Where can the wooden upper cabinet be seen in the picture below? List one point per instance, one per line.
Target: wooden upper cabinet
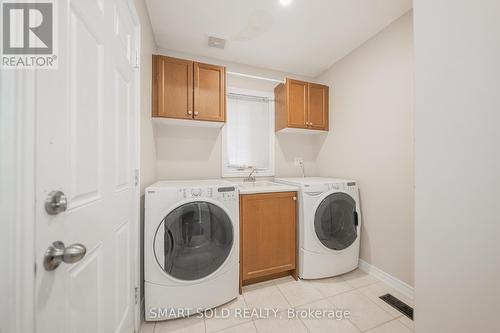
(184, 89)
(209, 92)
(318, 106)
(172, 87)
(302, 105)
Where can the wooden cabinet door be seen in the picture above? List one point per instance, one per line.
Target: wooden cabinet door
(209, 92)
(318, 106)
(268, 234)
(297, 103)
(173, 94)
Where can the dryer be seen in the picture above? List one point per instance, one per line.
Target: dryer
(329, 226)
(191, 247)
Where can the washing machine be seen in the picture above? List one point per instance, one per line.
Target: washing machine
(191, 247)
(329, 226)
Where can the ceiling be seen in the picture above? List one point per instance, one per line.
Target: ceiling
(305, 38)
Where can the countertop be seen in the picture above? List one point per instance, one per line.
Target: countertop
(265, 187)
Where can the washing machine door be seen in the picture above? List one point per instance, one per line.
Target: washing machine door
(193, 240)
(336, 221)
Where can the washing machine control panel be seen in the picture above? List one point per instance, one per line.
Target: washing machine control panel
(196, 192)
(224, 193)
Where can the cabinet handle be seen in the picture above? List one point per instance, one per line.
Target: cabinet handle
(190, 112)
(294, 198)
(196, 113)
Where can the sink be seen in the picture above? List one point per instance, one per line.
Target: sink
(264, 186)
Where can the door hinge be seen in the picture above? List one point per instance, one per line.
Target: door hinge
(136, 60)
(136, 177)
(136, 295)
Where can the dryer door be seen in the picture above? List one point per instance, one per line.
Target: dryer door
(193, 240)
(336, 221)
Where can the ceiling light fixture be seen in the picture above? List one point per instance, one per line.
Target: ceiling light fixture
(285, 2)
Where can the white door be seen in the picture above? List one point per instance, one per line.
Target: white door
(86, 148)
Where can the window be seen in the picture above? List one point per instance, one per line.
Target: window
(248, 135)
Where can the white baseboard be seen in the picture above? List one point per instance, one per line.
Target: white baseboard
(392, 281)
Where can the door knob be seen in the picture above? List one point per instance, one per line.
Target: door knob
(56, 202)
(58, 253)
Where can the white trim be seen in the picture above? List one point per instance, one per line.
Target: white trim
(137, 164)
(231, 172)
(392, 281)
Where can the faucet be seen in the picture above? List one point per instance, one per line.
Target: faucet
(250, 177)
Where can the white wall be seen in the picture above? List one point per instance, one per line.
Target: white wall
(457, 119)
(193, 153)
(371, 141)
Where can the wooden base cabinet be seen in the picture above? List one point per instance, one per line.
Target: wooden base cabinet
(268, 236)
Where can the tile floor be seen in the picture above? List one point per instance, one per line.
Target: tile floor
(356, 291)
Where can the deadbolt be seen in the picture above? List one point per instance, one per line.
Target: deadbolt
(56, 203)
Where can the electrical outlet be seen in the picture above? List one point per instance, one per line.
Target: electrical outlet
(298, 162)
